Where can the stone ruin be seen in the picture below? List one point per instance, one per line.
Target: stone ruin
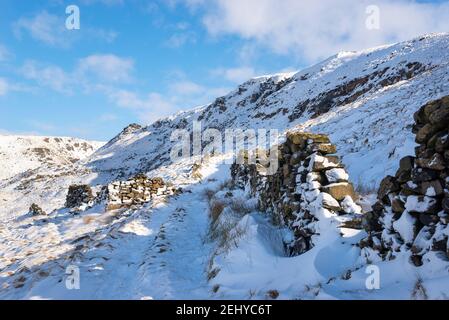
(79, 195)
(412, 211)
(136, 191)
(310, 184)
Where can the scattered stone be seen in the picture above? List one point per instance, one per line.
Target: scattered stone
(35, 210)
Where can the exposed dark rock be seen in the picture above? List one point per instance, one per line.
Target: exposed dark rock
(78, 195)
(35, 210)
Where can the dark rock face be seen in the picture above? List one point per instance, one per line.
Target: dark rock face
(310, 183)
(414, 204)
(35, 210)
(78, 195)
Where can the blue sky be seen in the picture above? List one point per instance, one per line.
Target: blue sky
(137, 60)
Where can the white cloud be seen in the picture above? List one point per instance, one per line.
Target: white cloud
(179, 39)
(187, 88)
(149, 108)
(51, 30)
(4, 53)
(48, 76)
(45, 27)
(235, 75)
(4, 87)
(108, 117)
(317, 29)
(106, 68)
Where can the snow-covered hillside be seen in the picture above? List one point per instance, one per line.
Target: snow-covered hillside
(21, 153)
(364, 101)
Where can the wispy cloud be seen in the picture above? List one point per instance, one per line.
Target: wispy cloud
(317, 29)
(49, 76)
(50, 29)
(5, 54)
(235, 75)
(4, 87)
(106, 68)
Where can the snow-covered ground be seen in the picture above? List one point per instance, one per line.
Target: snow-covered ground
(163, 251)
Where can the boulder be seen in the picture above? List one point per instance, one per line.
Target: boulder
(432, 188)
(320, 163)
(302, 137)
(421, 175)
(436, 162)
(440, 114)
(387, 186)
(422, 204)
(336, 175)
(425, 133)
(371, 222)
(324, 148)
(405, 167)
(428, 219)
(35, 210)
(397, 205)
(328, 202)
(340, 190)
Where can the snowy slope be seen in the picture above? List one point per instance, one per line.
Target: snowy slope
(21, 153)
(363, 100)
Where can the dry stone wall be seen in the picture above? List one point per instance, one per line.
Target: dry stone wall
(136, 191)
(310, 184)
(412, 212)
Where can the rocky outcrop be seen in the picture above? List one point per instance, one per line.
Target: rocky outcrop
(136, 191)
(412, 211)
(310, 184)
(35, 210)
(79, 195)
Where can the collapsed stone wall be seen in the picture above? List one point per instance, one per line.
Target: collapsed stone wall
(79, 195)
(412, 212)
(310, 184)
(136, 191)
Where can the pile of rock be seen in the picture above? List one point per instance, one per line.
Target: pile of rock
(79, 195)
(35, 210)
(310, 184)
(136, 191)
(413, 207)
